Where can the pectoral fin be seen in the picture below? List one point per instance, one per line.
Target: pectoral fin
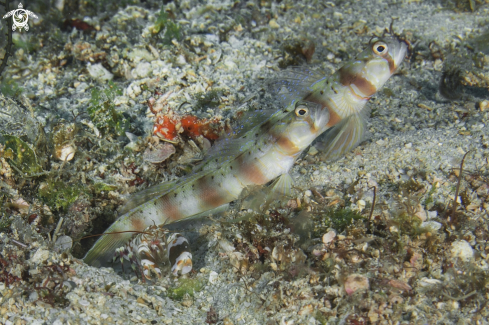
(343, 137)
(261, 199)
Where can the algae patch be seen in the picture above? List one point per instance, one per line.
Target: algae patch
(186, 287)
(59, 195)
(102, 111)
(20, 155)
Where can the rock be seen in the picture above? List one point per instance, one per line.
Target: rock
(62, 244)
(142, 70)
(462, 249)
(213, 277)
(40, 256)
(98, 72)
(328, 237)
(356, 282)
(432, 226)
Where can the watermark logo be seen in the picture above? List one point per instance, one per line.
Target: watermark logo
(20, 17)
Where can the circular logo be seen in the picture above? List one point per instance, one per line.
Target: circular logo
(20, 17)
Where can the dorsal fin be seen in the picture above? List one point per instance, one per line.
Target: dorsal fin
(295, 83)
(240, 140)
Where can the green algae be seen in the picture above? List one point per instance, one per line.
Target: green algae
(10, 88)
(171, 29)
(100, 187)
(340, 219)
(185, 287)
(20, 155)
(59, 195)
(102, 111)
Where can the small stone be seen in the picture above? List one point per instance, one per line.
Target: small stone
(312, 151)
(273, 24)
(361, 205)
(62, 244)
(483, 105)
(40, 256)
(98, 72)
(142, 70)
(213, 277)
(328, 237)
(462, 249)
(408, 145)
(400, 285)
(306, 310)
(432, 226)
(356, 282)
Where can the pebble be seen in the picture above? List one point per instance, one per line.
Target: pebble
(98, 72)
(312, 151)
(273, 24)
(328, 237)
(40, 256)
(433, 226)
(142, 70)
(356, 282)
(462, 249)
(484, 105)
(213, 276)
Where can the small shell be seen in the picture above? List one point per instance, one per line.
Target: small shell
(65, 153)
(328, 237)
(160, 153)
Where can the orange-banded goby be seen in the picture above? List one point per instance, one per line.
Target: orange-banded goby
(267, 148)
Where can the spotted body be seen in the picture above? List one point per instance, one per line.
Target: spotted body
(267, 149)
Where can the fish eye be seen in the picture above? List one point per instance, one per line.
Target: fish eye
(301, 111)
(380, 48)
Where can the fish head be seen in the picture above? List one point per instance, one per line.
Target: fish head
(374, 66)
(303, 122)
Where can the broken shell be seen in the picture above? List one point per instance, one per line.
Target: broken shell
(159, 154)
(63, 135)
(356, 282)
(328, 237)
(400, 285)
(65, 153)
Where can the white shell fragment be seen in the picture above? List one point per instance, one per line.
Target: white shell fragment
(328, 237)
(98, 72)
(427, 282)
(432, 226)
(213, 277)
(159, 154)
(462, 249)
(40, 256)
(65, 153)
(63, 244)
